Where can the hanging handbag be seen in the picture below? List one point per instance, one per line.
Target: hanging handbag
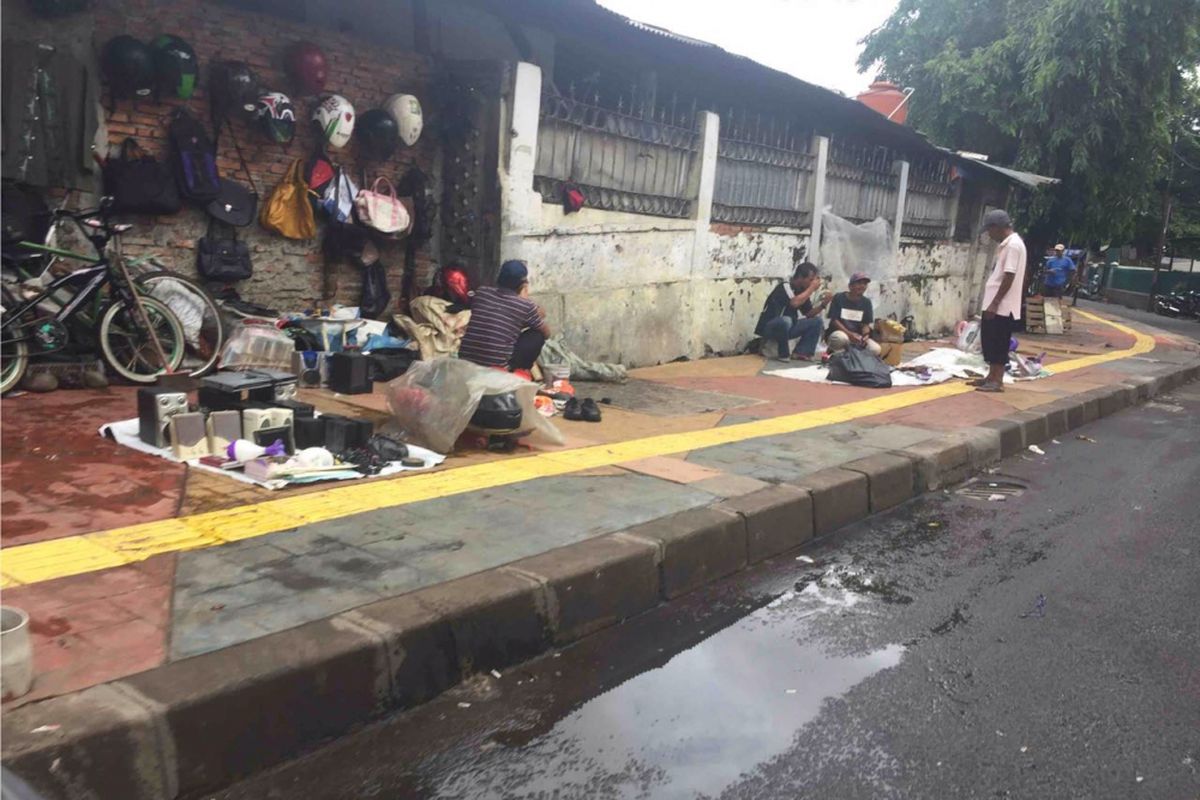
(138, 183)
(287, 210)
(221, 257)
(235, 204)
(382, 211)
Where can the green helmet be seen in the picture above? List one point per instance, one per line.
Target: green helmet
(175, 66)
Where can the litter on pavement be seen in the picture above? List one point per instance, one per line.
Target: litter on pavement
(1033, 448)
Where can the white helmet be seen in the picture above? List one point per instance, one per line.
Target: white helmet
(406, 110)
(335, 117)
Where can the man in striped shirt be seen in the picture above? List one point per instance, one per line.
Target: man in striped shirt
(507, 329)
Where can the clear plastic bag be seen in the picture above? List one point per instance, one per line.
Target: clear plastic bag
(257, 346)
(434, 400)
(968, 337)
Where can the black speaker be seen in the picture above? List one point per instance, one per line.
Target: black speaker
(298, 408)
(349, 373)
(309, 431)
(343, 434)
(156, 406)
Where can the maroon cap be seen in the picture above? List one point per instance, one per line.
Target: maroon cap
(860, 276)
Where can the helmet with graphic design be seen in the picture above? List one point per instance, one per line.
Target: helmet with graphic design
(406, 110)
(234, 88)
(128, 65)
(335, 117)
(276, 117)
(307, 67)
(175, 66)
(377, 134)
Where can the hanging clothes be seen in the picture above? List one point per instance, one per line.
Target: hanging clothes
(49, 101)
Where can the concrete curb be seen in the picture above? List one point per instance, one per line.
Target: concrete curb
(199, 724)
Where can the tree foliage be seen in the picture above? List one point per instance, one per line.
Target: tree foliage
(1088, 91)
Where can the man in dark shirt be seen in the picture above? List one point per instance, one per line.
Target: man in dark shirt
(851, 316)
(790, 314)
(507, 329)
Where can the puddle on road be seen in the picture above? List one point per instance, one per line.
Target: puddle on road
(692, 726)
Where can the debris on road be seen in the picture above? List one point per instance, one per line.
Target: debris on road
(1055, 441)
(806, 559)
(496, 674)
(1033, 448)
(995, 497)
(1039, 609)
(1083, 438)
(464, 705)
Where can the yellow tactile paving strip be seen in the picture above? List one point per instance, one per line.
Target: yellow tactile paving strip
(73, 555)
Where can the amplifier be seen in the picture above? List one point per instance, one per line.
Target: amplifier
(188, 436)
(156, 406)
(350, 373)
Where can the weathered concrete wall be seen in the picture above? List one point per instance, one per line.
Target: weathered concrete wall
(936, 283)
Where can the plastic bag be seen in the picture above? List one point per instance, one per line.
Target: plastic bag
(968, 337)
(433, 402)
(257, 346)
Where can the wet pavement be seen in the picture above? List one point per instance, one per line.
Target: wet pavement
(1040, 645)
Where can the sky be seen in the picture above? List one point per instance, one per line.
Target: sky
(814, 40)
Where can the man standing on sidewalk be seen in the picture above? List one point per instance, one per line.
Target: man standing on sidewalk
(1001, 298)
(1060, 270)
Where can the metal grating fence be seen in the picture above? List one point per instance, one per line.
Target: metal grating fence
(860, 182)
(929, 204)
(764, 176)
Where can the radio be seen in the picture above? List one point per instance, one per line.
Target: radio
(188, 437)
(264, 425)
(156, 406)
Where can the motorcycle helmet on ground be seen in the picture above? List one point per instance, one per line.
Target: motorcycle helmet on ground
(406, 110)
(307, 67)
(335, 117)
(128, 65)
(378, 134)
(276, 117)
(234, 89)
(175, 66)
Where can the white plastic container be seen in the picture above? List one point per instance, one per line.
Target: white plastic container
(16, 654)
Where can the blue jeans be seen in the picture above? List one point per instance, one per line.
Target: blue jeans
(784, 329)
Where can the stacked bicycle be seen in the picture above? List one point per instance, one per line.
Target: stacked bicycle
(144, 321)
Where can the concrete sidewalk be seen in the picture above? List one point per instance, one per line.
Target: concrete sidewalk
(294, 618)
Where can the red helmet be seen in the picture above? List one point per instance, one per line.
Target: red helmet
(307, 66)
(452, 284)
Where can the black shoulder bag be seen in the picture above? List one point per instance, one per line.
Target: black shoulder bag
(221, 257)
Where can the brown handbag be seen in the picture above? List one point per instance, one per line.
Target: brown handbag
(287, 210)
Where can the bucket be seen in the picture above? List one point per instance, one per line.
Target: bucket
(16, 656)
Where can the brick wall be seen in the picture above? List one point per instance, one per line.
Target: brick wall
(287, 273)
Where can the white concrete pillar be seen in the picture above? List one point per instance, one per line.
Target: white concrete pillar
(518, 202)
(901, 195)
(702, 183)
(818, 199)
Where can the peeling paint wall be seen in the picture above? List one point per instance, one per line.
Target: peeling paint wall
(936, 284)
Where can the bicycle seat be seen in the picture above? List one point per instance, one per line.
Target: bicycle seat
(98, 224)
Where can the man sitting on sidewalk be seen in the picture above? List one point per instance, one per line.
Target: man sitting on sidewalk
(850, 318)
(1001, 298)
(789, 314)
(507, 329)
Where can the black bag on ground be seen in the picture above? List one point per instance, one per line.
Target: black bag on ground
(139, 184)
(193, 159)
(220, 257)
(498, 412)
(389, 363)
(860, 367)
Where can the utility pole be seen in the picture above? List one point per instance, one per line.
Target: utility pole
(1167, 204)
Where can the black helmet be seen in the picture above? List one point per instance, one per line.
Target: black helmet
(234, 89)
(277, 117)
(175, 66)
(129, 67)
(378, 134)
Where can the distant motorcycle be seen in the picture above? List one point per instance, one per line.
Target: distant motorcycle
(1184, 303)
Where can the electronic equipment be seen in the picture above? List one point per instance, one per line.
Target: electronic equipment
(223, 427)
(350, 373)
(343, 434)
(156, 406)
(309, 431)
(311, 368)
(299, 409)
(189, 439)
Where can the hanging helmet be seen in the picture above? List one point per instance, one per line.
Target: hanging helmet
(335, 117)
(307, 67)
(277, 117)
(175, 66)
(406, 110)
(234, 88)
(129, 67)
(378, 134)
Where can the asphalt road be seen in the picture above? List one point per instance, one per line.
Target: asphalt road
(1044, 645)
(1182, 327)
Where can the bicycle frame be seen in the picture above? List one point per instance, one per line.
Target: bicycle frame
(96, 277)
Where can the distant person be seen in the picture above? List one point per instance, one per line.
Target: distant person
(1059, 272)
(850, 318)
(1001, 298)
(790, 314)
(507, 329)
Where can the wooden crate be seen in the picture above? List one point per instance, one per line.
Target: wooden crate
(1035, 314)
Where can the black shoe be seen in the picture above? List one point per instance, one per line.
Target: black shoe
(590, 411)
(572, 411)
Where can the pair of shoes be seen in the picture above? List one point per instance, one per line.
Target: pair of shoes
(587, 411)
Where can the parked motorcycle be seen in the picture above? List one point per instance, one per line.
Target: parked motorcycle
(1182, 303)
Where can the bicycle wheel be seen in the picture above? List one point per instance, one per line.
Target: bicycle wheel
(129, 352)
(203, 328)
(14, 359)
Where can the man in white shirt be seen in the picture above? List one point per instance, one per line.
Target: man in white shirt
(1001, 298)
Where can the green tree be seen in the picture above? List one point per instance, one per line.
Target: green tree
(1087, 91)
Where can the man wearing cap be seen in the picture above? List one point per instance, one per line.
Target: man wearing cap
(507, 329)
(1059, 271)
(1001, 298)
(850, 318)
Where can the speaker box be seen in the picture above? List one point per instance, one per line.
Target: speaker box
(223, 427)
(343, 434)
(350, 373)
(276, 392)
(156, 406)
(257, 419)
(189, 439)
(299, 409)
(309, 432)
(311, 368)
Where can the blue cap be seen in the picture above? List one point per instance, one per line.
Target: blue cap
(512, 275)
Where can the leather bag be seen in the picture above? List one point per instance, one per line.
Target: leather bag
(287, 210)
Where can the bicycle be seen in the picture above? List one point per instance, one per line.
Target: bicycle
(201, 317)
(139, 336)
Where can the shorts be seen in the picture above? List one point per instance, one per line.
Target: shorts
(994, 335)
